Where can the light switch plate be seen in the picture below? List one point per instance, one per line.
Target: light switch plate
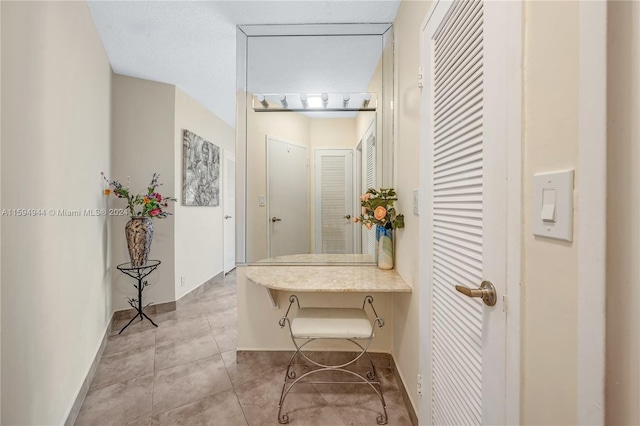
(416, 202)
(261, 200)
(561, 228)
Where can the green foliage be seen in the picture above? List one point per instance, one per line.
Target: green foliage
(378, 208)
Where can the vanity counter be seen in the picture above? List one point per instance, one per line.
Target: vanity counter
(328, 278)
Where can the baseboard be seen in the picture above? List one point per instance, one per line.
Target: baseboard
(380, 359)
(171, 306)
(403, 391)
(77, 404)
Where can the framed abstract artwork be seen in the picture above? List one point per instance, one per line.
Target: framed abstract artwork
(200, 172)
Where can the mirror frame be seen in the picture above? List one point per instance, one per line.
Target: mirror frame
(385, 105)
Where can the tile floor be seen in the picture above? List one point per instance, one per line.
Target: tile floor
(185, 373)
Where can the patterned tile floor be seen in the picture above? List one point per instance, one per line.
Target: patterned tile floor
(185, 373)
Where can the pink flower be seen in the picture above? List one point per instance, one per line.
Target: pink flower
(380, 212)
(365, 197)
(158, 197)
(368, 225)
(364, 210)
(154, 212)
(356, 219)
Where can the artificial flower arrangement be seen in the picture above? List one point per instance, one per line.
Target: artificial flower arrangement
(151, 202)
(378, 209)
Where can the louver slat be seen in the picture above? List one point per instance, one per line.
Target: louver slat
(457, 215)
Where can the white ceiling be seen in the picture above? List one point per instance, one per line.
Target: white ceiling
(192, 44)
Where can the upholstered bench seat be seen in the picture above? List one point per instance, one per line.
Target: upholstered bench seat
(331, 323)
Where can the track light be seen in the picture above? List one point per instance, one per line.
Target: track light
(263, 101)
(283, 101)
(367, 99)
(303, 100)
(345, 100)
(325, 99)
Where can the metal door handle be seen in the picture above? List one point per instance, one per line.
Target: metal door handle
(487, 291)
(348, 216)
(275, 219)
(227, 217)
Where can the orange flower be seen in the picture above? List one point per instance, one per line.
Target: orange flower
(107, 191)
(380, 212)
(145, 200)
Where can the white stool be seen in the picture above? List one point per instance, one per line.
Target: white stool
(349, 324)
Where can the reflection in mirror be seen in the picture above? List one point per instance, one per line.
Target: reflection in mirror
(313, 121)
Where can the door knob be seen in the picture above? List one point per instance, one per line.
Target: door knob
(227, 217)
(275, 219)
(348, 216)
(487, 291)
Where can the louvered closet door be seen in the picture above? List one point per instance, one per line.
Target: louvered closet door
(462, 231)
(333, 192)
(369, 235)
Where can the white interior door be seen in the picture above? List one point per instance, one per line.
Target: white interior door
(229, 203)
(464, 228)
(287, 198)
(333, 201)
(369, 181)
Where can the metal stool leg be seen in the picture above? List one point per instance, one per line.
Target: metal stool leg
(371, 378)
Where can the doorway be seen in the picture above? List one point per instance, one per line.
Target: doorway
(333, 201)
(466, 348)
(287, 198)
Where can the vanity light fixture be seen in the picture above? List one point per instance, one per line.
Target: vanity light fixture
(345, 100)
(263, 101)
(283, 101)
(367, 98)
(325, 100)
(303, 100)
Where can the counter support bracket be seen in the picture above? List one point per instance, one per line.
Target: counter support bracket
(273, 296)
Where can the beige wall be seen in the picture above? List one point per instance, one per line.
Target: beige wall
(56, 292)
(143, 143)
(407, 32)
(550, 267)
(623, 211)
(198, 230)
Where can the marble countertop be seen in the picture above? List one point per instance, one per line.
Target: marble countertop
(328, 278)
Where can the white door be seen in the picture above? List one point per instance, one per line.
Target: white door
(229, 203)
(333, 201)
(464, 225)
(369, 181)
(287, 198)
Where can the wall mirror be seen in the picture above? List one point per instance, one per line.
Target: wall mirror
(314, 132)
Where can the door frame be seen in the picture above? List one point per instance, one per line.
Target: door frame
(592, 205)
(316, 202)
(513, 28)
(225, 154)
(268, 203)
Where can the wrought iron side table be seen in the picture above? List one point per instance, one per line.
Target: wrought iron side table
(139, 273)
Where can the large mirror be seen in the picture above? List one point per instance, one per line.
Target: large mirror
(315, 132)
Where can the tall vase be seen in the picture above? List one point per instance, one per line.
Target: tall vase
(385, 250)
(139, 232)
(376, 249)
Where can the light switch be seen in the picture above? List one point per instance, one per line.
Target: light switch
(261, 200)
(548, 205)
(416, 201)
(552, 215)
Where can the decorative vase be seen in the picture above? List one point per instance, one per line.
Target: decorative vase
(385, 250)
(376, 249)
(139, 232)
